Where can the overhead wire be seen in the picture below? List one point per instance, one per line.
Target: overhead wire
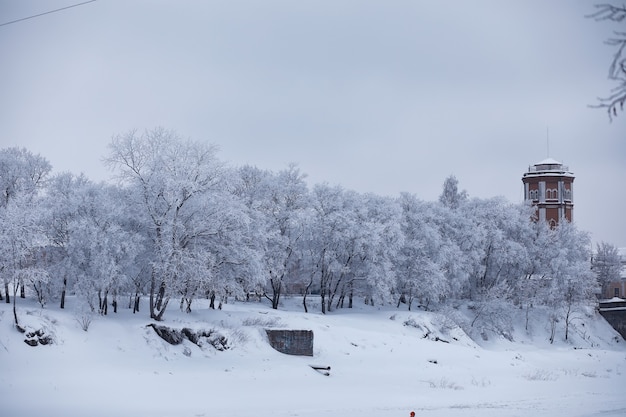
(45, 13)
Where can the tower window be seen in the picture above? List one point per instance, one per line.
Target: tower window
(568, 194)
(551, 194)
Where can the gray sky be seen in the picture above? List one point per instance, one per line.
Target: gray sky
(377, 96)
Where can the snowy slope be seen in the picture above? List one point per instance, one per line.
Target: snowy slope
(384, 362)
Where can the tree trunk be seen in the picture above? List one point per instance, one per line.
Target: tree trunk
(136, 305)
(6, 291)
(152, 288)
(568, 315)
(104, 307)
(553, 321)
(276, 290)
(63, 291)
(39, 291)
(159, 315)
(185, 304)
(340, 301)
(17, 324)
(160, 296)
(306, 291)
(114, 301)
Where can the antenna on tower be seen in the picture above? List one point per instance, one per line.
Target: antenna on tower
(548, 140)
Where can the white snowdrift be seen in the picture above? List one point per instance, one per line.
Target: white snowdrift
(384, 362)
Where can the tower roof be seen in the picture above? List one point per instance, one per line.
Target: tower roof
(549, 167)
(549, 161)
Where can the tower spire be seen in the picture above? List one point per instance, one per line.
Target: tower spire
(548, 141)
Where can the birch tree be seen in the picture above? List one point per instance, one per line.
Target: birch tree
(450, 196)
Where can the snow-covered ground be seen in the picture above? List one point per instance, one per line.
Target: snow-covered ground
(381, 366)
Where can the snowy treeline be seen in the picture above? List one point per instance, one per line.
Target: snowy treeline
(180, 224)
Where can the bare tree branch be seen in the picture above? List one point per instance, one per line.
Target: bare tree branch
(617, 69)
(609, 12)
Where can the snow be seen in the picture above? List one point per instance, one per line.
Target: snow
(384, 362)
(549, 161)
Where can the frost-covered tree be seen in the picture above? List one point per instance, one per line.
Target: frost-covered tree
(501, 233)
(60, 207)
(21, 173)
(278, 203)
(572, 284)
(451, 197)
(503, 230)
(380, 235)
(222, 256)
(343, 247)
(137, 273)
(252, 189)
(532, 287)
(326, 225)
(420, 270)
(21, 241)
(360, 248)
(606, 264)
(169, 175)
(22, 176)
(459, 250)
(101, 250)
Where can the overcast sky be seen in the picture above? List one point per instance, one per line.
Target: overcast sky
(377, 96)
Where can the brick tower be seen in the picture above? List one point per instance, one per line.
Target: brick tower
(548, 184)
